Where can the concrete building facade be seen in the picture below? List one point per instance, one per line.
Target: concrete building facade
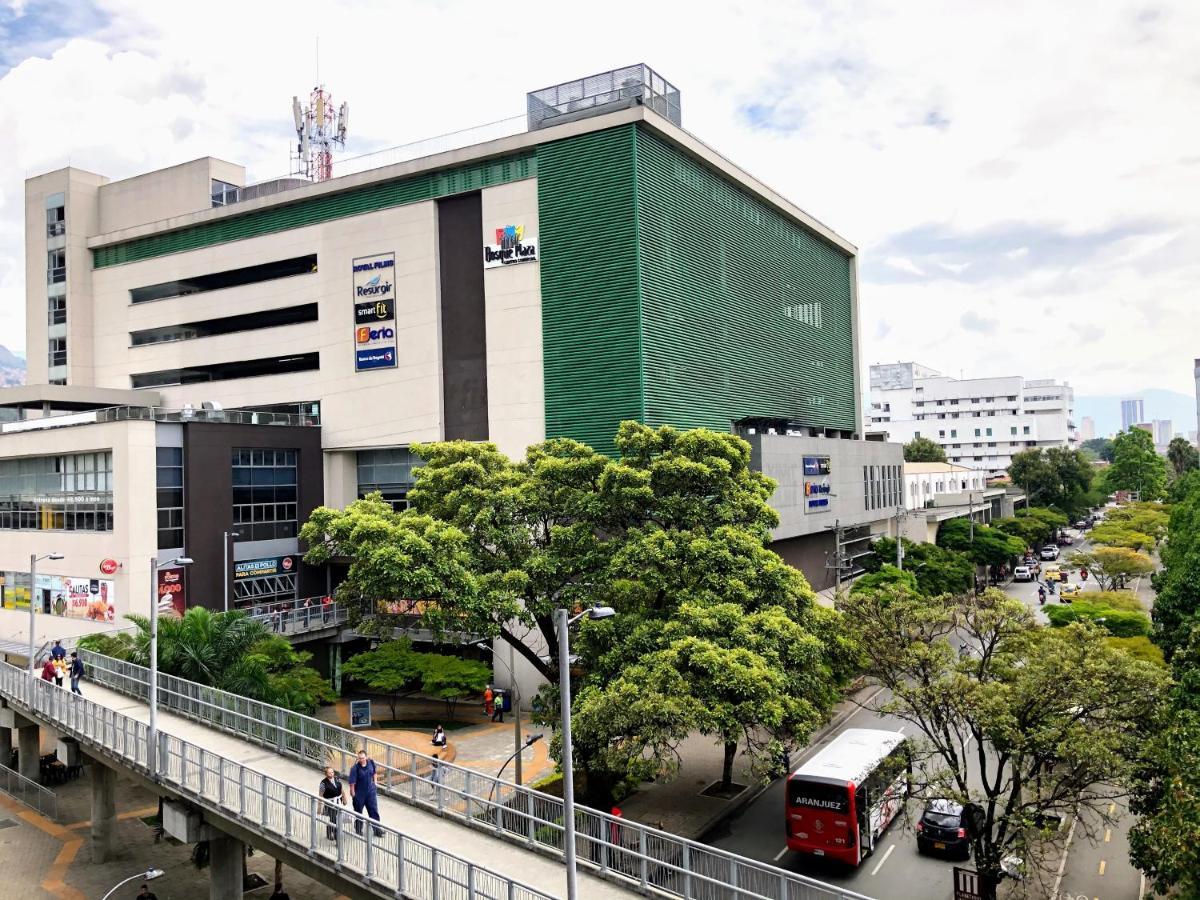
(979, 422)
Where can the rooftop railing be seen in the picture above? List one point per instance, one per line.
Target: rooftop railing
(161, 414)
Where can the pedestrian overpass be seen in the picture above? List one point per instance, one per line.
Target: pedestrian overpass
(247, 772)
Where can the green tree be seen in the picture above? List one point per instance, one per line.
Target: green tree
(1112, 567)
(451, 679)
(983, 545)
(1183, 456)
(1116, 534)
(1100, 448)
(1063, 714)
(1136, 466)
(922, 449)
(393, 669)
(938, 570)
(1177, 585)
(1054, 477)
(886, 576)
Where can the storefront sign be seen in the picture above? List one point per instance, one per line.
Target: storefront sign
(816, 465)
(360, 713)
(78, 598)
(259, 568)
(172, 591)
(109, 566)
(374, 291)
(817, 490)
(512, 245)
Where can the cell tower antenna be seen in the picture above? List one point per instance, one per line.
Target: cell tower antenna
(319, 128)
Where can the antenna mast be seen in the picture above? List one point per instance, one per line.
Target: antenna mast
(318, 130)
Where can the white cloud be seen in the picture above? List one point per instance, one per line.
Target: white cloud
(1017, 253)
(901, 115)
(903, 264)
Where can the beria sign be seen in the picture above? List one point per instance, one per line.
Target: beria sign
(365, 335)
(512, 246)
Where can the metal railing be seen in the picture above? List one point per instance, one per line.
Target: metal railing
(387, 860)
(293, 617)
(614, 848)
(29, 792)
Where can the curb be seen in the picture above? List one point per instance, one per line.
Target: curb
(749, 795)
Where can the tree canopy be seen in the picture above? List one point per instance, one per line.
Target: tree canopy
(1100, 448)
(395, 669)
(988, 546)
(1183, 456)
(1113, 567)
(937, 570)
(1064, 714)
(1055, 477)
(922, 449)
(1136, 466)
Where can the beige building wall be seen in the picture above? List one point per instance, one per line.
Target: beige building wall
(134, 538)
(513, 298)
(185, 188)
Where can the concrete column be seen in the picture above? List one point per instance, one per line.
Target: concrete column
(29, 751)
(104, 812)
(227, 858)
(5, 746)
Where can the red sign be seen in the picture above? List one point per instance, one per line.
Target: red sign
(109, 566)
(287, 564)
(172, 591)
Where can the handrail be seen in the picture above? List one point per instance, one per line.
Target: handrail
(615, 848)
(21, 789)
(298, 618)
(390, 862)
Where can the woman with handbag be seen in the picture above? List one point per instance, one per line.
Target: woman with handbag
(333, 793)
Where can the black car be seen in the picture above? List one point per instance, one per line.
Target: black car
(943, 830)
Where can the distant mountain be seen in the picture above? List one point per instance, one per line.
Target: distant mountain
(1158, 404)
(12, 368)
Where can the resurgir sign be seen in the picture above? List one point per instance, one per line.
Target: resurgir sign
(512, 245)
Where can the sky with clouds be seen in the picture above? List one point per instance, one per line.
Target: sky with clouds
(1022, 179)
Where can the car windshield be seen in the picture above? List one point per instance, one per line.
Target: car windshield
(940, 820)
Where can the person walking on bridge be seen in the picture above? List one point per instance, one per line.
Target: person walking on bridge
(331, 791)
(76, 672)
(363, 791)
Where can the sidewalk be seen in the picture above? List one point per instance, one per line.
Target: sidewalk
(678, 806)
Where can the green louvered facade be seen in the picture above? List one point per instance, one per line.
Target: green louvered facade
(313, 211)
(671, 296)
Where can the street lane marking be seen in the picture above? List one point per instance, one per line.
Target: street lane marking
(879, 865)
(1107, 835)
(900, 729)
(1062, 863)
(1101, 867)
(779, 855)
(1112, 808)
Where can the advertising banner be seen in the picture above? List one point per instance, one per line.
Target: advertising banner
(81, 598)
(172, 591)
(817, 490)
(374, 291)
(259, 568)
(513, 245)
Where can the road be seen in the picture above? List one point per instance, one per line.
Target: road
(1097, 865)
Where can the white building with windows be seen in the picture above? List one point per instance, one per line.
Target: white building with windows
(979, 422)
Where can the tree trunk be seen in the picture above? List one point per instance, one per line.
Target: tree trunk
(731, 748)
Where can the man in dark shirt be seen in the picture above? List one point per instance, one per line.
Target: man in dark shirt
(58, 651)
(146, 894)
(363, 791)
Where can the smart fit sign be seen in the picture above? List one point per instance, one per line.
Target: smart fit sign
(374, 288)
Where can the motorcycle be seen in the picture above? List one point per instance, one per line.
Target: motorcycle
(1042, 596)
(1083, 573)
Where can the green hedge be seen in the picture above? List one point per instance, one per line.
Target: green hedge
(1117, 622)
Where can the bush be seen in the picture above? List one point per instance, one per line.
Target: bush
(1139, 648)
(1122, 600)
(1117, 622)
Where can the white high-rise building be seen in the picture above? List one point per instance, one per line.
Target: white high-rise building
(1087, 428)
(979, 422)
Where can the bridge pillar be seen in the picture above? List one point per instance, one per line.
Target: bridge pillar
(6, 746)
(227, 858)
(104, 811)
(29, 751)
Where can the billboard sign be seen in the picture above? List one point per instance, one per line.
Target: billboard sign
(373, 286)
(172, 591)
(513, 245)
(260, 568)
(817, 490)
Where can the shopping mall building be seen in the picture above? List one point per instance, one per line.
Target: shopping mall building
(209, 358)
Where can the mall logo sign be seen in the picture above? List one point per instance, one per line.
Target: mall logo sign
(512, 245)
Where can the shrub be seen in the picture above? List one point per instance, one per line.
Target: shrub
(1117, 622)
(1139, 648)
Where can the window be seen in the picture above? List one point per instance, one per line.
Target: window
(974, 399)
(169, 476)
(804, 313)
(976, 432)
(941, 434)
(989, 432)
(71, 492)
(916, 434)
(223, 193)
(953, 432)
(270, 318)
(215, 281)
(56, 266)
(1012, 430)
(388, 471)
(56, 221)
(56, 311)
(1025, 429)
(57, 355)
(954, 403)
(249, 368)
(265, 499)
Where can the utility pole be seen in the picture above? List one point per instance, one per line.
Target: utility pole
(971, 514)
(837, 555)
(899, 540)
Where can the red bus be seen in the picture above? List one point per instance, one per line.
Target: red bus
(840, 801)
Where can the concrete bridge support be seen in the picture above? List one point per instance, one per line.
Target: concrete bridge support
(104, 811)
(227, 861)
(29, 741)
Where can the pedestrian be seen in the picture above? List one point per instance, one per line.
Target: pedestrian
(487, 701)
(146, 894)
(283, 616)
(363, 792)
(274, 614)
(48, 670)
(307, 611)
(439, 736)
(498, 707)
(58, 651)
(333, 793)
(60, 667)
(76, 673)
(435, 773)
(326, 609)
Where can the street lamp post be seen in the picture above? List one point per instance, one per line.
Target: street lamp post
(482, 643)
(152, 700)
(33, 561)
(565, 621)
(225, 569)
(516, 754)
(148, 875)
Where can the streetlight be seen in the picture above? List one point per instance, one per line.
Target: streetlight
(152, 734)
(148, 875)
(225, 570)
(33, 561)
(482, 643)
(516, 754)
(565, 621)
